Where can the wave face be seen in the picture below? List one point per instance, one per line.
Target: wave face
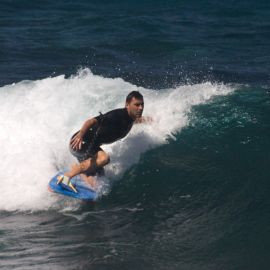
(38, 118)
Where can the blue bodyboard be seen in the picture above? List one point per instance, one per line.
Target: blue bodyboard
(84, 192)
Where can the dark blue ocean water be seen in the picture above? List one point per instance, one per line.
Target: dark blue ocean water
(198, 201)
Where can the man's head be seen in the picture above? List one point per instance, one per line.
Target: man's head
(134, 104)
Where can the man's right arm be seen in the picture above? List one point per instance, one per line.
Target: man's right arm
(77, 140)
(86, 126)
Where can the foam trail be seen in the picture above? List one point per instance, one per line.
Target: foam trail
(38, 117)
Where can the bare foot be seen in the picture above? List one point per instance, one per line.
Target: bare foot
(90, 180)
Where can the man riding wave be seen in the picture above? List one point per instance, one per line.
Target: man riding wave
(103, 129)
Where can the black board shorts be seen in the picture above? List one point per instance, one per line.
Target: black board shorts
(87, 151)
(82, 155)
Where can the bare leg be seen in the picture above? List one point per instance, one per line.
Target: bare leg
(99, 160)
(90, 180)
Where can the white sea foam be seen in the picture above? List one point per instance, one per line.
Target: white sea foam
(38, 117)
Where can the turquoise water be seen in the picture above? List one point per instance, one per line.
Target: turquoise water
(189, 191)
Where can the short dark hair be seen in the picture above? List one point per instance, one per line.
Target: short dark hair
(133, 94)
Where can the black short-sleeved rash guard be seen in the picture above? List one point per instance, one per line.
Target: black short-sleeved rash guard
(112, 126)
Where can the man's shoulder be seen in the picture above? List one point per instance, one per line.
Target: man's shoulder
(119, 110)
(111, 113)
(116, 112)
(118, 115)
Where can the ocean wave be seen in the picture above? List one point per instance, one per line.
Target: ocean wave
(38, 118)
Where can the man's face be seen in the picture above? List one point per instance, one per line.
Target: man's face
(135, 108)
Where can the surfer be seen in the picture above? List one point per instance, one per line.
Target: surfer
(103, 129)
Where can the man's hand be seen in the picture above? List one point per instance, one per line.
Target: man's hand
(76, 142)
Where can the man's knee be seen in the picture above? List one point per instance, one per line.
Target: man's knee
(84, 165)
(103, 158)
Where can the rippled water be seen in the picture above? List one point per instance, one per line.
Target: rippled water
(189, 191)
